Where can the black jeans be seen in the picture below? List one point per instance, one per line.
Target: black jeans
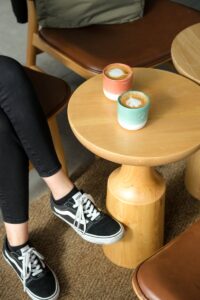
(24, 136)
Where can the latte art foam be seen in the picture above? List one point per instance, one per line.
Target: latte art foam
(133, 102)
(133, 99)
(116, 73)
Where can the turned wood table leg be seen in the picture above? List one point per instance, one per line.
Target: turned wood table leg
(135, 197)
(192, 175)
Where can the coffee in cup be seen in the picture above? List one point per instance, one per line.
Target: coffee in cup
(117, 78)
(133, 99)
(133, 108)
(117, 72)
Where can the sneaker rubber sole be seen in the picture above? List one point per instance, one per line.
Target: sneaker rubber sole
(30, 294)
(94, 239)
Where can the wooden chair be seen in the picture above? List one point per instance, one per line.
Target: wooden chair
(145, 42)
(53, 94)
(172, 273)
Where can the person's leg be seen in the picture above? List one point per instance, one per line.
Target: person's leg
(13, 183)
(20, 104)
(17, 234)
(17, 250)
(59, 184)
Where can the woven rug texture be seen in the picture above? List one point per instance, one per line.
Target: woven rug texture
(83, 271)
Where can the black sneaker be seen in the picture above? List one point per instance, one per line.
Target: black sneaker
(39, 281)
(93, 225)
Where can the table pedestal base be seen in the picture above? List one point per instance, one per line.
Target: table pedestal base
(192, 175)
(135, 197)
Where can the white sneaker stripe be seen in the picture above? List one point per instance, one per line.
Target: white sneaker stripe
(67, 213)
(10, 258)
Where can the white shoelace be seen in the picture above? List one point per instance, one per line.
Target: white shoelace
(30, 264)
(85, 207)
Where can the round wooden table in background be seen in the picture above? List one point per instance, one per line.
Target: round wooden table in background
(185, 53)
(135, 192)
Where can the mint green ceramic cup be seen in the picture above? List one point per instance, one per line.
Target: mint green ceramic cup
(135, 115)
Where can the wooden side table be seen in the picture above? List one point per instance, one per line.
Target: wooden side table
(135, 193)
(185, 53)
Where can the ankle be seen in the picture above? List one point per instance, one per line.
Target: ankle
(62, 192)
(16, 247)
(17, 234)
(66, 197)
(59, 184)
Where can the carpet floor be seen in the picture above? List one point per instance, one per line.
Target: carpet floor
(83, 271)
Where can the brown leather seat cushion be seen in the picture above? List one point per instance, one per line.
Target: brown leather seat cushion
(53, 93)
(144, 42)
(174, 272)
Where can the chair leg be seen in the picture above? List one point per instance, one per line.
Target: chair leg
(32, 29)
(57, 141)
(31, 56)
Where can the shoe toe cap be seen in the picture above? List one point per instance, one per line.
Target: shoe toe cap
(106, 227)
(45, 286)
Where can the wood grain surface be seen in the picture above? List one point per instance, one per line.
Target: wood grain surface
(172, 131)
(185, 52)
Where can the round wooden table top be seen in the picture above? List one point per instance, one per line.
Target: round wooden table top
(186, 52)
(172, 131)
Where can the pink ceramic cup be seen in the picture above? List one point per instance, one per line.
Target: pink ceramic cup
(117, 79)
